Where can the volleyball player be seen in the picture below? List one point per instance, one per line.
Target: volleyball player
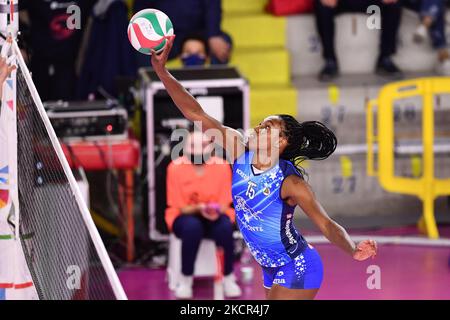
(268, 183)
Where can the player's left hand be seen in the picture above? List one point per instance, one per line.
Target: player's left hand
(365, 249)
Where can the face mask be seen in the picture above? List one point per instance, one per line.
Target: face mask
(193, 60)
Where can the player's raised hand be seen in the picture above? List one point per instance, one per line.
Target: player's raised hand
(159, 60)
(365, 249)
(6, 61)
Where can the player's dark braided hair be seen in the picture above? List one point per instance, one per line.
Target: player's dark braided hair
(309, 140)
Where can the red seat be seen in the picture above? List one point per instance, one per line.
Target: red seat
(100, 155)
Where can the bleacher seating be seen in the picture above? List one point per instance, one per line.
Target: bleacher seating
(281, 59)
(262, 56)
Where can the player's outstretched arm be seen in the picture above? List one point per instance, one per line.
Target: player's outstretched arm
(297, 192)
(231, 140)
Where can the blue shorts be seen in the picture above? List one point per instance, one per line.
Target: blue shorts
(303, 272)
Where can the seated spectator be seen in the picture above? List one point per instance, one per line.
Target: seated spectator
(199, 206)
(325, 10)
(194, 16)
(432, 16)
(194, 51)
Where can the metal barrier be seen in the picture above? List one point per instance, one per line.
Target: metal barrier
(427, 187)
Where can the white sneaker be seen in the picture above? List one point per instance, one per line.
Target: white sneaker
(420, 34)
(230, 287)
(443, 68)
(184, 288)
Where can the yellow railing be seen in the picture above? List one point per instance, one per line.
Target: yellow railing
(371, 138)
(427, 188)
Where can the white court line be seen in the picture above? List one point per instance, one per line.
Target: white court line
(400, 240)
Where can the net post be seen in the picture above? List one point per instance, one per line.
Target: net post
(9, 25)
(9, 17)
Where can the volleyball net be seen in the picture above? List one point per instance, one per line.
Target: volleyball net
(51, 247)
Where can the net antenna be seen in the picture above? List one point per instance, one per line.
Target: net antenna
(57, 243)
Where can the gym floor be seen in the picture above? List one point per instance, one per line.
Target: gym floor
(407, 272)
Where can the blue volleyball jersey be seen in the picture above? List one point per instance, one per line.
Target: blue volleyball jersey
(264, 219)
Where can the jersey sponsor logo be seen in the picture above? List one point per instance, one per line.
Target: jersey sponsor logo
(242, 174)
(289, 234)
(249, 213)
(279, 281)
(251, 228)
